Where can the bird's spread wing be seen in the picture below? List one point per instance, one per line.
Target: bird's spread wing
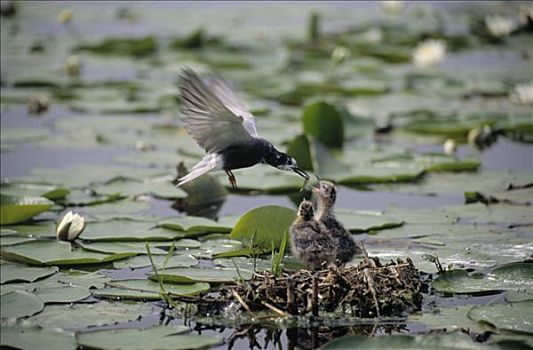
(227, 96)
(212, 123)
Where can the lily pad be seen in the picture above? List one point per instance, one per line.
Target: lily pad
(324, 121)
(183, 260)
(512, 276)
(357, 222)
(126, 230)
(21, 273)
(148, 290)
(156, 338)
(267, 225)
(122, 46)
(121, 248)
(56, 253)
(263, 179)
(193, 225)
(453, 341)
(81, 316)
(29, 189)
(514, 317)
(133, 188)
(20, 209)
(33, 338)
(212, 275)
(20, 304)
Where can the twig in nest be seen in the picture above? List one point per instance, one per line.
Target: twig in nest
(314, 300)
(276, 310)
(370, 282)
(242, 302)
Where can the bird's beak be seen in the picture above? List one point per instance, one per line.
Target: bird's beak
(301, 173)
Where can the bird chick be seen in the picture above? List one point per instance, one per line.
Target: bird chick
(345, 246)
(309, 242)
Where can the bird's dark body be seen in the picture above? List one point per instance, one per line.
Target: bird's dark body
(243, 155)
(345, 246)
(310, 245)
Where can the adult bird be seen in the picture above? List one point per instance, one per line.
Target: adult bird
(221, 124)
(345, 246)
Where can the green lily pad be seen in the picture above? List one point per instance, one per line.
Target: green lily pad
(56, 253)
(33, 338)
(21, 273)
(504, 277)
(126, 230)
(183, 260)
(453, 341)
(121, 248)
(324, 122)
(386, 172)
(211, 275)
(356, 222)
(29, 189)
(20, 304)
(193, 225)
(122, 46)
(267, 224)
(122, 209)
(80, 316)
(13, 240)
(448, 318)
(133, 188)
(514, 317)
(147, 289)
(159, 337)
(63, 294)
(20, 209)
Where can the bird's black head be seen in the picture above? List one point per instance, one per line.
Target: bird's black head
(283, 161)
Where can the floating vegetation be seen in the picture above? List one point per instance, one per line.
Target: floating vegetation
(369, 289)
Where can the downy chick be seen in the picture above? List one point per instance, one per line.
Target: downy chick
(309, 242)
(345, 246)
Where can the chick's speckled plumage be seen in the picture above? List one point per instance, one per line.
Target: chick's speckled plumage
(346, 248)
(309, 242)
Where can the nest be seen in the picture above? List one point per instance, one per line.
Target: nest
(368, 289)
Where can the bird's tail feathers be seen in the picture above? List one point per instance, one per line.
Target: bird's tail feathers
(209, 163)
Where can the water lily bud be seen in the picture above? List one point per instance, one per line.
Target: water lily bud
(392, 7)
(64, 16)
(73, 66)
(450, 147)
(481, 137)
(522, 94)
(500, 26)
(340, 54)
(70, 227)
(429, 52)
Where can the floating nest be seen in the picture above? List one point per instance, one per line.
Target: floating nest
(369, 289)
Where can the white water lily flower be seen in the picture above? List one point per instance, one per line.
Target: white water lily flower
(522, 94)
(450, 147)
(70, 227)
(340, 54)
(429, 52)
(500, 26)
(392, 7)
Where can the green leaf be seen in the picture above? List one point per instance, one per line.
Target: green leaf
(20, 304)
(299, 149)
(155, 338)
(212, 275)
(34, 338)
(453, 341)
(357, 222)
(34, 189)
(56, 253)
(144, 261)
(193, 225)
(82, 315)
(147, 289)
(514, 317)
(122, 46)
(133, 188)
(504, 277)
(126, 230)
(324, 121)
(22, 273)
(19, 209)
(267, 224)
(121, 248)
